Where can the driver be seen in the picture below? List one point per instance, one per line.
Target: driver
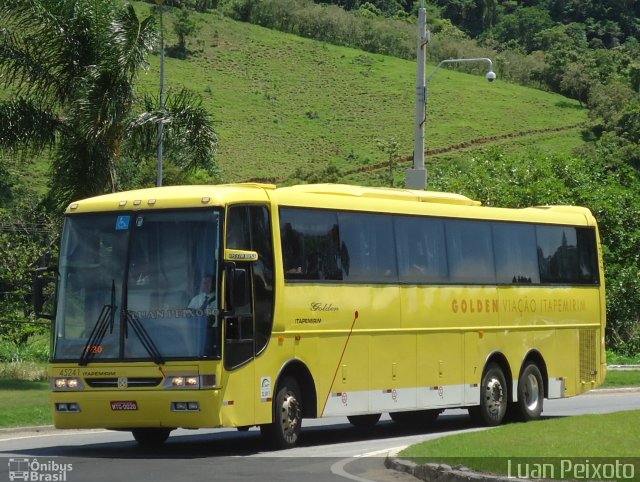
(206, 296)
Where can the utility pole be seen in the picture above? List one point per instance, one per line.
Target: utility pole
(161, 124)
(417, 177)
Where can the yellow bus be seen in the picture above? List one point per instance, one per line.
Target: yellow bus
(247, 305)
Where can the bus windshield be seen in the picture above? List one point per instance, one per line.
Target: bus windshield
(139, 286)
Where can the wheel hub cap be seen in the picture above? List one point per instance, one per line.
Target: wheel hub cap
(290, 414)
(495, 395)
(531, 392)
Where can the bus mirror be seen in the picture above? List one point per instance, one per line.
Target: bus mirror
(237, 290)
(240, 255)
(42, 290)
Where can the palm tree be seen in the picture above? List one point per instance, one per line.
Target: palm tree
(72, 66)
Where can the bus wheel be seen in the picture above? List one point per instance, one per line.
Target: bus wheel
(151, 437)
(493, 396)
(364, 421)
(284, 431)
(530, 393)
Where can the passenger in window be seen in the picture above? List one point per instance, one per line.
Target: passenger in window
(206, 296)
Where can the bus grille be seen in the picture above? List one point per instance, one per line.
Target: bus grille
(134, 382)
(588, 366)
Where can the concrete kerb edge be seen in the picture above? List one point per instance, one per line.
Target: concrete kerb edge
(33, 429)
(435, 472)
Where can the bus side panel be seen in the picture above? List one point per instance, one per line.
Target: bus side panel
(238, 395)
(349, 371)
(393, 372)
(440, 377)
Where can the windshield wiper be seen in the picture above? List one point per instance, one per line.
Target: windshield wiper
(105, 320)
(144, 337)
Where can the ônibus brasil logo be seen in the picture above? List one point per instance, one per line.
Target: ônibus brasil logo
(36, 471)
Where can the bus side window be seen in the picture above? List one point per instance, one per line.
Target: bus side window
(470, 252)
(422, 256)
(515, 252)
(370, 245)
(292, 251)
(311, 248)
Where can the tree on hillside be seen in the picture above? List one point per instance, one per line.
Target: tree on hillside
(522, 26)
(184, 26)
(73, 66)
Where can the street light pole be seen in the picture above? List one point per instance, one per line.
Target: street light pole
(160, 124)
(417, 176)
(490, 76)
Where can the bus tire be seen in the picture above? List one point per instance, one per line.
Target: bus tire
(493, 396)
(530, 393)
(364, 421)
(151, 437)
(284, 431)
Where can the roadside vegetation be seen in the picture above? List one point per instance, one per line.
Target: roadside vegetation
(590, 436)
(622, 379)
(614, 358)
(24, 403)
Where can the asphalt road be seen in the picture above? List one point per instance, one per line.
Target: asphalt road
(330, 450)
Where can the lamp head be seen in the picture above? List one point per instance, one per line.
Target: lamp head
(491, 76)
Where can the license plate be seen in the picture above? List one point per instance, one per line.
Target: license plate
(125, 405)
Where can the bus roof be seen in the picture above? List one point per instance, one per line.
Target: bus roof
(168, 197)
(336, 196)
(381, 193)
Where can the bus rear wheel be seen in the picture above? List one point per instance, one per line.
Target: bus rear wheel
(364, 421)
(493, 397)
(284, 431)
(530, 393)
(151, 437)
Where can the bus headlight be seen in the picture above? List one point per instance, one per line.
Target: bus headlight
(190, 381)
(71, 407)
(185, 407)
(66, 383)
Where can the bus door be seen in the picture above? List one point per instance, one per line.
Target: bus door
(248, 330)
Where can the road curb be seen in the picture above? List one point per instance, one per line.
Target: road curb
(33, 429)
(623, 368)
(607, 391)
(434, 472)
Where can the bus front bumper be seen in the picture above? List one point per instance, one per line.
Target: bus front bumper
(136, 409)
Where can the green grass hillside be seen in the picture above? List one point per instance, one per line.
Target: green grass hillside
(282, 102)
